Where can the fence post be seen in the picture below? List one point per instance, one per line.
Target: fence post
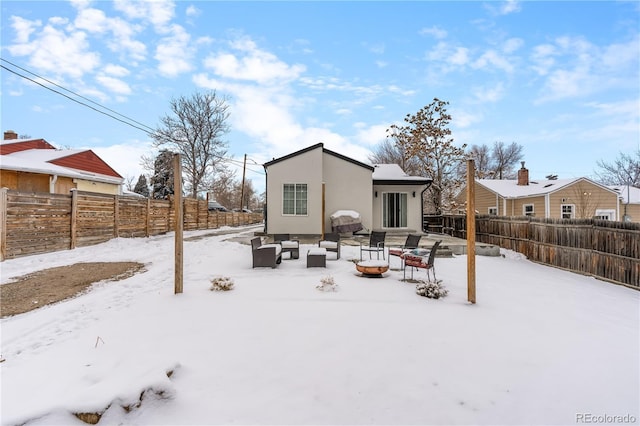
(147, 224)
(116, 216)
(74, 217)
(3, 224)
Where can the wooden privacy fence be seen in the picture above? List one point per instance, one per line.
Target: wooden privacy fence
(32, 223)
(604, 249)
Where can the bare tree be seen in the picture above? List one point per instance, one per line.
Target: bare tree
(497, 162)
(482, 161)
(195, 130)
(426, 138)
(389, 152)
(505, 158)
(223, 186)
(585, 202)
(625, 170)
(128, 182)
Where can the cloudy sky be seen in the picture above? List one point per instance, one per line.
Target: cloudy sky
(559, 78)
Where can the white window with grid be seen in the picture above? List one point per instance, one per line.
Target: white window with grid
(294, 199)
(528, 210)
(567, 211)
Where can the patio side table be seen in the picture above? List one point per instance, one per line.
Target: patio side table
(317, 257)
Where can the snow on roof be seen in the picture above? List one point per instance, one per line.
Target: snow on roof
(391, 172)
(628, 194)
(510, 187)
(37, 161)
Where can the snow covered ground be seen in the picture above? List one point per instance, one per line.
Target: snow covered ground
(541, 346)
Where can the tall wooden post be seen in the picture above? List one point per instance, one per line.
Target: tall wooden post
(74, 218)
(471, 232)
(3, 223)
(244, 170)
(177, 196)
(323, 210)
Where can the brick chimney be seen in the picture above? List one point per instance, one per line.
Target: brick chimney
(523, 175)
(10, 134)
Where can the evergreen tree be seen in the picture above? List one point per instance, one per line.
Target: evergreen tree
(162, 179)
(142, 187)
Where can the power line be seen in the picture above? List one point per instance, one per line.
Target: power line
(74, 100)
(149, 132)
(76, 94)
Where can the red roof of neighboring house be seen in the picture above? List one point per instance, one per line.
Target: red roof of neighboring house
(9, 147)
(87, 161)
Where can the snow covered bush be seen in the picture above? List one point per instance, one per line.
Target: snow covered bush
(221, 284)
(327, 284)
(432, 290)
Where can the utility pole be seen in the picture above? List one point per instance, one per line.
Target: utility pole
(244, 168)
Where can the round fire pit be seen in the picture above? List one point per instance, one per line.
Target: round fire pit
(372, 268)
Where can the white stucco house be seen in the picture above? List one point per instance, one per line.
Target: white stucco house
(304, 188)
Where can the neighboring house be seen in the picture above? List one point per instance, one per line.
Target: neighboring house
(304, 188)
(34, 165)
(629, 201)
(575, 198)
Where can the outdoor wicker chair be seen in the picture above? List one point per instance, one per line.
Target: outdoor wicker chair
(288, 245)
(269, 255)
(376, 244)
(331, 242)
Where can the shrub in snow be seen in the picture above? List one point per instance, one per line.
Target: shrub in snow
(221, 284)
(327, 284)
(432, 290)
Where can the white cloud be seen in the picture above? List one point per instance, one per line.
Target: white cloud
(173, 52)
(574, 67)
(115, 85)
(434, 31)
(247, 62)
(512, 44)
(56, 52)
(120, 34)
(159, 12)
(193, 11)
(543, 58)
(116, 70)
(492, 59)
(449, 56)
(509, 6)
(371, 135)
(462, 119)
(378, 49)
(125, 158)
(24, 28)
(460, 56)
(489, 94)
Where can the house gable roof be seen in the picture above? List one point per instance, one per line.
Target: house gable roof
(61, 162)
(324, 150)
(509, 188)
(392, 174)
(9, 146)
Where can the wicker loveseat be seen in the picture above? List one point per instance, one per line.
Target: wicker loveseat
(265, 254)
